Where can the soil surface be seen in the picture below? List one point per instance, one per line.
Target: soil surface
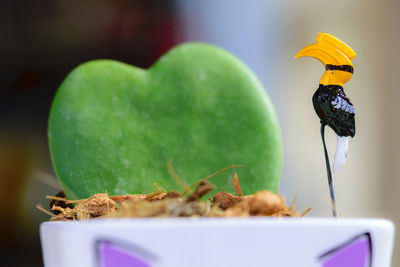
(173, 204)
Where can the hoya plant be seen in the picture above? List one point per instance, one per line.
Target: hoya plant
(114, 127)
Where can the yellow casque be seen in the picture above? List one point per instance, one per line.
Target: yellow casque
(330, 51)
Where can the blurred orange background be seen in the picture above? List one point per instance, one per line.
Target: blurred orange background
(41, 41)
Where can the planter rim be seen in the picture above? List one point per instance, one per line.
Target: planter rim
(377, 222)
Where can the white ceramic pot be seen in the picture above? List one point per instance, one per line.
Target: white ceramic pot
(218, 242)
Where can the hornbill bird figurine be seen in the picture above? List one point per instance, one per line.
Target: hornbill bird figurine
(330, 102)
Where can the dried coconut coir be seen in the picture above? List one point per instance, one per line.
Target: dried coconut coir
(175, 204)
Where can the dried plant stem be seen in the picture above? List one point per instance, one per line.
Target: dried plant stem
(305, 212)
(39, 207)
(211, 175)
(236, 185)
(65, 200)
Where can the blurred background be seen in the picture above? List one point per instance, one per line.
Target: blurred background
(41, 41)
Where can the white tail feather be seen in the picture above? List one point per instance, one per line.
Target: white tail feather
(341, 152)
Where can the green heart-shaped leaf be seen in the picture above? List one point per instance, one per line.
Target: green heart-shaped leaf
(113, 127)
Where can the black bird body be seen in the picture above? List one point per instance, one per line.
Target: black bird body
(335, 109)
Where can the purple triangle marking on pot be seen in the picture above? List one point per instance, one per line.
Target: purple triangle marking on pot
(356, 252)
(112, 254)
